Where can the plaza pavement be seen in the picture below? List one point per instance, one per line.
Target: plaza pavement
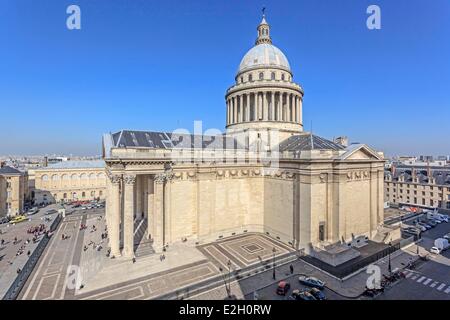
(9, 261)
(188, 272)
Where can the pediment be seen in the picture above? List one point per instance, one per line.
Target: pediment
(361, 152)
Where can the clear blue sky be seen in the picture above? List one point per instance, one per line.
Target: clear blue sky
(160, 65)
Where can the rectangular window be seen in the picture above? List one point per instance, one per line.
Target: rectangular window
(423, 201)
(322, 232)
(431, 203)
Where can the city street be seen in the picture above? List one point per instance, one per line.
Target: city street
(431, 279)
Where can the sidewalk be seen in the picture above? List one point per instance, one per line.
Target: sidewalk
(351, 288)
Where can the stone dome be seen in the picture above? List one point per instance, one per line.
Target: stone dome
(264, 55)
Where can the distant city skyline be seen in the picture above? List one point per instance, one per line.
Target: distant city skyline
(155, 66)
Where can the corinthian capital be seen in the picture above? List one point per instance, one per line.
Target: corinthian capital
(115, 178)
(129, 178)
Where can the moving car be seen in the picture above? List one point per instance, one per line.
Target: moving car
(33, 211)
(283, 288)
(427, 226)
(311, 282)
(435, 250)
(302, 295)
(18, 219)
(318, 294)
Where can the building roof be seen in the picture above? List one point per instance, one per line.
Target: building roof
(169, 140)
(308, 141)
(7, 170)
(79, 164)
(441, 175)
(264, 56)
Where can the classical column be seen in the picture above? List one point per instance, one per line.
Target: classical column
(114, 216)
(290, 107)
(300, 111)
(228, 111)
(297, 108)
(138, 196)
(158, 213)
(241, 107)
(128, 223)
(261, 105)
(280, 97)
(272, 106)
(283, 106)
(150, 207)
(265, 107)
(247, 114)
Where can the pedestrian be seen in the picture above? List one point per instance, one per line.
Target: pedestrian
(134, 259)
(291, 267)
(28, 253)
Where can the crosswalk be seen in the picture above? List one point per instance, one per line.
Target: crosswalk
(428, 282)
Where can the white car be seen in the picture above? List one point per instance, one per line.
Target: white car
(435, 250)
(447, 236)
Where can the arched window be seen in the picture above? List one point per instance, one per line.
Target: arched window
(45, 177)
(65, 195)
(83, 194)
(83, 176)
(101, 176)
(272, 76)
(282, 76)
(65, 177)
(92, 176)
(250, 77)
(261, 76)
(100, 193)
(74, 176)
(242, 79)
(92, 193)
(55, 177)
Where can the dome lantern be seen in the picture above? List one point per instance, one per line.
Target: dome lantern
(263, 31)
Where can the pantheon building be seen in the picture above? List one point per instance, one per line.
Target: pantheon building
(265, 174)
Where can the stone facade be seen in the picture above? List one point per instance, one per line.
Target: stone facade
(68, 181)
(12, 191)
(316, 192)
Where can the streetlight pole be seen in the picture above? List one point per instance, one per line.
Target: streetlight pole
(273, 263)
(229, 278)
(389, 265)
(224, 281)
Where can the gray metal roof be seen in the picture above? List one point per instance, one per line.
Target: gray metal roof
(308, 141)
(7, 170)
(442, 175)
(79, 164)
(169, 140)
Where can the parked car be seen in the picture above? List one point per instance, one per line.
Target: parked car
(421, 227)
(33, 211)
(435, 250)
(427, 226)
(318, 294)
(4, 220)
(311, 282)
(442, 244)
(436, 221)
(302, 295)
(447, 236)
(283, 288)
(51, 211)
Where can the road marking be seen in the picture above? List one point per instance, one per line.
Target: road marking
(421, 279)
(441, 287)
(447, 290)
(409, 274)
(434, 284)
(414, 278)
(427, 281)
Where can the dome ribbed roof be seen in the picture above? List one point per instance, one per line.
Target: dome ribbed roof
(264, 55)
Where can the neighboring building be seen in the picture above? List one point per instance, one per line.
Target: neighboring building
(421, 186)
(12, 191)
(203, 188)
(68, 181)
